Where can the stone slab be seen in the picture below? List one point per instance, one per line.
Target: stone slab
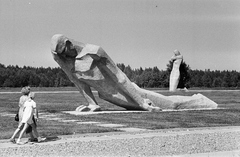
(111, 125)
(132, 129)
(69, 120)
(126, 111)
(8, 115)
(99, 112)
(90, 122)
(48, 115)
(169, 142)
(49, 118)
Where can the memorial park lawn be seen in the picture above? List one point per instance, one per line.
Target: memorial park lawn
(55, 100)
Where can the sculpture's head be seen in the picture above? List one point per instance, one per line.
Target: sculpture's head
(176, 52)
(64, 52)
(61, 45)
(58, 43)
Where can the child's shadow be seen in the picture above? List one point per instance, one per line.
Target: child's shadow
(50, 138)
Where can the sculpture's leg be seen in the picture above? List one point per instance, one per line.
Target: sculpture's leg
(197, 101)
(143, 102)
(158, 100)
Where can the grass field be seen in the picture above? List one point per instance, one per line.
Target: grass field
(228, 113)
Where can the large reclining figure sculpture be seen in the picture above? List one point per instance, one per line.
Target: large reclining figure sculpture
(89, 66)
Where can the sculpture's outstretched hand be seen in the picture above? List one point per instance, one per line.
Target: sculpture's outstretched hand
(149, 106)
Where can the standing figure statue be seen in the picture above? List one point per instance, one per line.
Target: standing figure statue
(175, 73)
(89, 67)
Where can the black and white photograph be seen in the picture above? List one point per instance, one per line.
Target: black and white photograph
(120, 78)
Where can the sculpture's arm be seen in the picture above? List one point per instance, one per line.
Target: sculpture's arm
(87, 93)
(176, 57)
(64, 53)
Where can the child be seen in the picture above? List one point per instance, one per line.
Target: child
(25, 96)
(25, 91)
(27, 119)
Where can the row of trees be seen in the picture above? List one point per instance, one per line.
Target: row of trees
(153, 77)
(15, 76)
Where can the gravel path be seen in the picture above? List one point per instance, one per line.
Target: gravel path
(144, 143)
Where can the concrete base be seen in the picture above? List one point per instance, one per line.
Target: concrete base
(170, 142)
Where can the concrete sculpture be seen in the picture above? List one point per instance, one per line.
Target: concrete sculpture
(88, 66)
(175, 73)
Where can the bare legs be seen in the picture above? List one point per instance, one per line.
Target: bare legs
(12, 139)
(31, 135)
(23, 127)
(22, 132)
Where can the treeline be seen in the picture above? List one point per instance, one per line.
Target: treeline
(15, 76)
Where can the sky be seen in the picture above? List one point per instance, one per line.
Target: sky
(139, 33)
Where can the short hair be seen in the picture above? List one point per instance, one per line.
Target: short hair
(25, 90)
(32, 95)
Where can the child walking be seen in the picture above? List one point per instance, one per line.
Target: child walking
(30, 109)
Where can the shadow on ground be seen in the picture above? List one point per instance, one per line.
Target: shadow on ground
(51, 138)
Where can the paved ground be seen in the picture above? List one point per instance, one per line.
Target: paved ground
(234, 153)
(213, 142)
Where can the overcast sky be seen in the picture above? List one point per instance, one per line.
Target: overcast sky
(139, 33)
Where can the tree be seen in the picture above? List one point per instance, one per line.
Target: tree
(226, 79)
(145, 78)
(15, 76)
(128, 71)
(9, 82)
(121, 66)
(217, 82)
(206, 79)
